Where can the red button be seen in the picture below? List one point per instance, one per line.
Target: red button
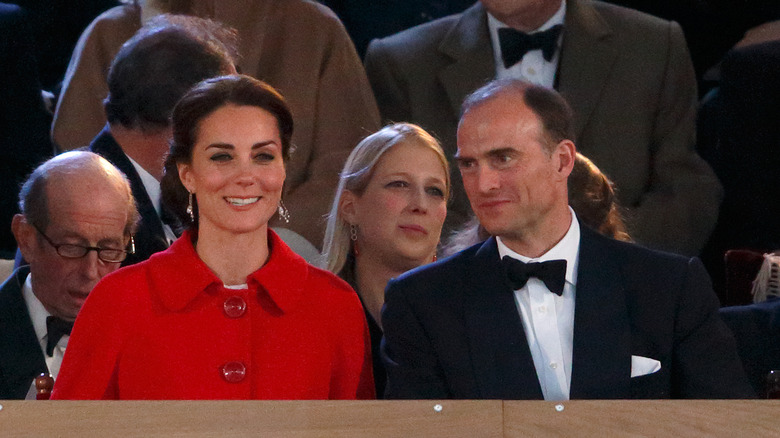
(234, 307)
(233, 372)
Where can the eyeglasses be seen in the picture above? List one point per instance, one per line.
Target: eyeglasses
(71, 251)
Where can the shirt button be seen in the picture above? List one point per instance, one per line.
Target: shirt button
(531, 71)
(233, 372)
(553, 365)
(234, 307)
(542, 309)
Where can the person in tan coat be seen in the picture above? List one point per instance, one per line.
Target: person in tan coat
(299, 47)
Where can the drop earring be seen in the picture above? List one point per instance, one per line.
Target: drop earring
(284, 213)
(190, 211)
(353, 238)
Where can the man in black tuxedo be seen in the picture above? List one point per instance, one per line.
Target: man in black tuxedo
(72, 205)
(148, 76)
(548, 309)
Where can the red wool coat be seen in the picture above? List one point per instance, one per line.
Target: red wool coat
(168, 329)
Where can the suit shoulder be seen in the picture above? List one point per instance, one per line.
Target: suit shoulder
(770, 308)
(306, 11)
(122, 15)
(638, 256)
(635, 25)
(445, 271)
(418, 40)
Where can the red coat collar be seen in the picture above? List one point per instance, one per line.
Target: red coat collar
(177, 275)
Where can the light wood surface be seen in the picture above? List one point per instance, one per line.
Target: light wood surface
(251, 418)
(651, 418)
(406, 419)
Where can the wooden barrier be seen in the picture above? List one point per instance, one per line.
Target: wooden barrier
(406, 419)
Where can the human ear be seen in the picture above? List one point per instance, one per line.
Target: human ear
(566, 153)
(348, 207)
(185, 175)
(25, 235)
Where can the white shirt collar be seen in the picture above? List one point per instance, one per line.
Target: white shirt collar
(151, 185)
(38, 313)
(558, 18)
(567, 248)
(494, 24)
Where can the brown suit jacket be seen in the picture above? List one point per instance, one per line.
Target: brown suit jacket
(299, 47)
(629, 80)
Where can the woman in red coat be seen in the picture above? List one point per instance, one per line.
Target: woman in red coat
(228, 311)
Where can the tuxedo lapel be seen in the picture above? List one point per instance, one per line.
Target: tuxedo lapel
(149, 237)
(468, 44)
(500, 356)
(601, 356)
(21, 357)
(587, 56)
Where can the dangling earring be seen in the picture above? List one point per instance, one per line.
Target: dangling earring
(435, 257)
(284, 213)
(190, 211)
(353, 238)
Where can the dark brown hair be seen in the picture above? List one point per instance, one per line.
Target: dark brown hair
(163, 60)
(199, 103)
(550, 107)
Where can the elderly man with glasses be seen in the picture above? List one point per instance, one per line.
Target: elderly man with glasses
(76, 225)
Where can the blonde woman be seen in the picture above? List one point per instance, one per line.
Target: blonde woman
(387, 216)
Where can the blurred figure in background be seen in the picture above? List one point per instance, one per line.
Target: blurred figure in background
(594, 54)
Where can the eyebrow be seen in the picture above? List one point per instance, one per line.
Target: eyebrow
(409, 175)
(502, 151)
(67, 235)
(231, 147)
(490, 153)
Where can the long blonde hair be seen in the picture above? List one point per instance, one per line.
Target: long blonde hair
(357, 173)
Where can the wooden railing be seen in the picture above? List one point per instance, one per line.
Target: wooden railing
(406, 419)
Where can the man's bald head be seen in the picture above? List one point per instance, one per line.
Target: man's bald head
(77, 213)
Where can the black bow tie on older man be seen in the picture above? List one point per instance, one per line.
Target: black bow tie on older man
(515, 44)
(56, 328)
(552, 273)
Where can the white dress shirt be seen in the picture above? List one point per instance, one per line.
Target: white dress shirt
(533, 67)
(548, 319)
(152, 187)
(38, 315)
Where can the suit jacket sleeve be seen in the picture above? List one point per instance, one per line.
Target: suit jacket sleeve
(705, 363)
(345, 113)
(679, 210)
(390, 96)
(80, 115)
(413, 371)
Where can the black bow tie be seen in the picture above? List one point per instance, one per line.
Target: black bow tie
(56, 328)
(515, 44)
(552, 273)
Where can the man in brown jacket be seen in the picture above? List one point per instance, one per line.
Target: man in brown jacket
(299, 47)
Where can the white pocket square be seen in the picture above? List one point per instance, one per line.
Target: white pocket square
(642, 366)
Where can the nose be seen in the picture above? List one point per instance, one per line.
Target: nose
(418, 200)
(91, 267)
(245, 176)
(487, 179)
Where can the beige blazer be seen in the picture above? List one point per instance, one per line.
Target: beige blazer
(297, 46)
